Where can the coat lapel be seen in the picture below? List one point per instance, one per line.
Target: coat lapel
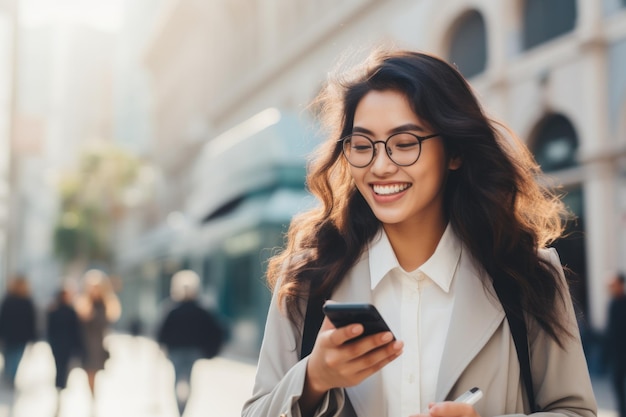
(476, 315)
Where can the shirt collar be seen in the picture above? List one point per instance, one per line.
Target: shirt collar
(382, 258)
(440, 267)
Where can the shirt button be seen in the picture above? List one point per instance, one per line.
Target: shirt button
(411, 378)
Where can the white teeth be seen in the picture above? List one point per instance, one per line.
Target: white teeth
(389, 189)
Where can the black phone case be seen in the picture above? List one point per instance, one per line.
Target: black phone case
(342, 314)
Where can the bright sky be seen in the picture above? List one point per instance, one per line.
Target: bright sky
(102, 14)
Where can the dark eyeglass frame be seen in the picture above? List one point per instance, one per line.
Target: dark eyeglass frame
(420, 139)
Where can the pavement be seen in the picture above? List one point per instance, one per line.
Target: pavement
(137, 382)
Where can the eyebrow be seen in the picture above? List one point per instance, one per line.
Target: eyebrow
(402, 128)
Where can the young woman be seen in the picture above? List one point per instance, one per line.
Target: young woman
(425, 204)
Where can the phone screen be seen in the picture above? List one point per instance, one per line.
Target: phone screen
(343, 314)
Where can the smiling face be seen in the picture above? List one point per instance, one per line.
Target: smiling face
(400, 196)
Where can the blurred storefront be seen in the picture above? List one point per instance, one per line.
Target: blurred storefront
(246, 185)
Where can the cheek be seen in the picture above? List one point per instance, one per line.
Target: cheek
(429, 178)
(358, 180)
(355, 175)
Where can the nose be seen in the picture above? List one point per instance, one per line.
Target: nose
(382, 163)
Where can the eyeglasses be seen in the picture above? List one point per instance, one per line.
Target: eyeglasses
(402, 148)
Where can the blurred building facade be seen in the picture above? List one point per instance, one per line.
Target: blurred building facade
(7, 53)
(63, 100)
(230, 82)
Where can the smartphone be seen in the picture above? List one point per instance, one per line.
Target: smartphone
(342, 314)
(470, 396)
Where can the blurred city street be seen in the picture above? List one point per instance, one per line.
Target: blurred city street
(145, 138)
(137, 382)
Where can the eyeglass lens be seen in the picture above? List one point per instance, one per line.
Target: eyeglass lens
(402, 148)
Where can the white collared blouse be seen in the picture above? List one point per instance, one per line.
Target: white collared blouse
(417, 305)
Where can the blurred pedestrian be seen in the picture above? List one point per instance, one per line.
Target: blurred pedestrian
(97, 308)
(63, 334)
(189, 332)
(17, 325)
(616, 340)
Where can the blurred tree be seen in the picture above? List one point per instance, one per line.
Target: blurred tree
(92, 200)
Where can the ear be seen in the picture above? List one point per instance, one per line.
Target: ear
(455, 163)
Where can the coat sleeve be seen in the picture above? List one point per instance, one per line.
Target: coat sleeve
(3, 320)
(280, 374)
(31, 321)
(164, 331)
(560, 375)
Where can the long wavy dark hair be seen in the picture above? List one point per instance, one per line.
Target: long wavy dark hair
(495, 201)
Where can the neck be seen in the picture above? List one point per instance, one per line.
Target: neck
(415, 243)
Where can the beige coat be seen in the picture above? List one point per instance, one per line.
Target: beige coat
(479, 352)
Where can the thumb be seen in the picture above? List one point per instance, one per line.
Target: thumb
(327, 324)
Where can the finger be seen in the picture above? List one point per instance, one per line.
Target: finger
(379, 358)
(365, 373)
(450, 408)
(327, 324)
(354, 358)
(370, 363)
(367, 344)
(354, 372)
(342, 334)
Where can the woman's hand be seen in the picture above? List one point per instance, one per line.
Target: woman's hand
(449, 409)
(334, 364)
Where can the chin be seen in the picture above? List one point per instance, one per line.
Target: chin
(389, 219)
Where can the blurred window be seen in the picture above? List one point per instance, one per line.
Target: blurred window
(555, 144)
(547, 19)
(237, 292)
(572, 247)
(468, 49)
(207, 272)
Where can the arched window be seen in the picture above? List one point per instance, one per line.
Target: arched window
(555, 144)
(468, 49)
(547, 19)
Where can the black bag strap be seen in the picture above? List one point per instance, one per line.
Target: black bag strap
(520, 337)
(312, 321)
(314, 317)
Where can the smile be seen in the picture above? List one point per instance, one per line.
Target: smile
(390, 189)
